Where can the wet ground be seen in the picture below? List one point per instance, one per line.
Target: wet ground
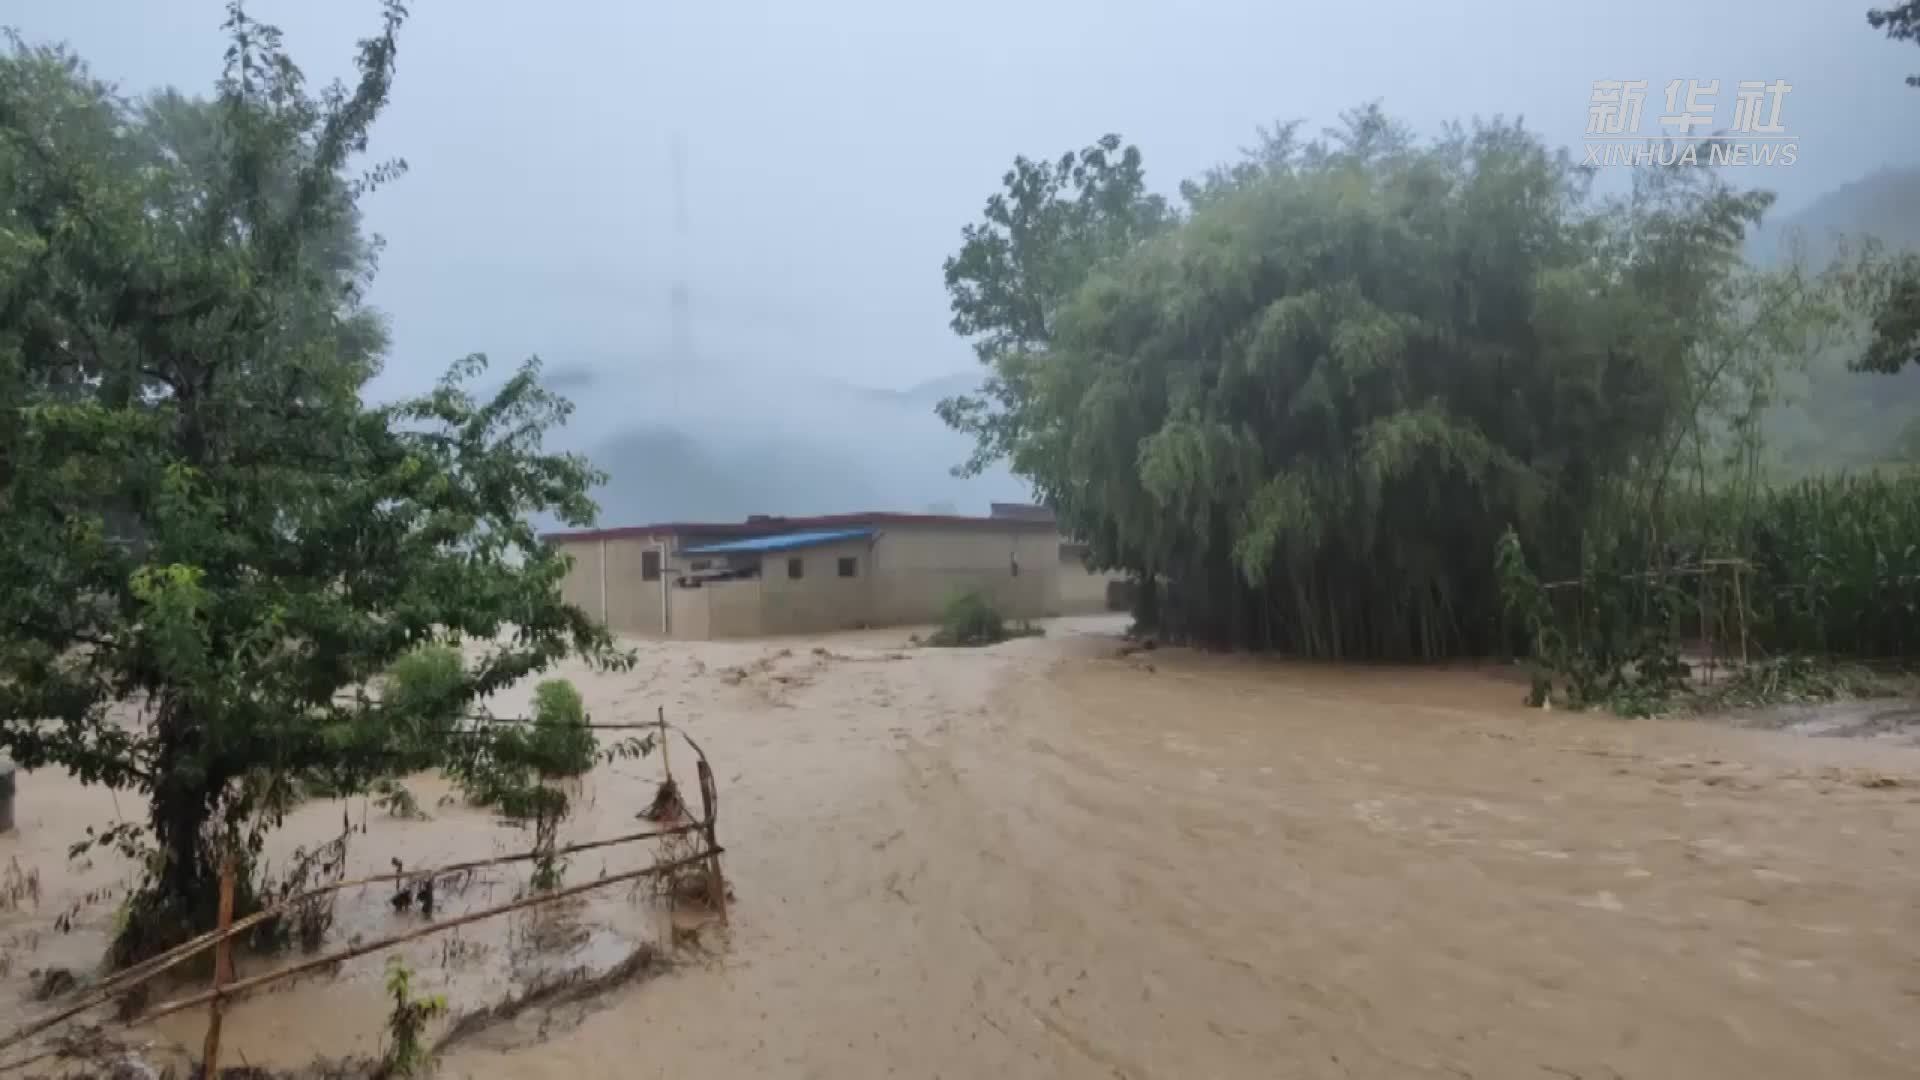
(1043, 860)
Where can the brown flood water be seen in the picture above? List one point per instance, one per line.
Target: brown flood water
(1040, 860)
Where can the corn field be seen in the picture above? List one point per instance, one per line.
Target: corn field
(1826, 568)
(1836, 567)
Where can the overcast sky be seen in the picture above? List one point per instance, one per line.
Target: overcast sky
(834, 149)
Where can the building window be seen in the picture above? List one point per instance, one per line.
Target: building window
(649, 566)
(698, 565)
(796, 567)
(849, 566)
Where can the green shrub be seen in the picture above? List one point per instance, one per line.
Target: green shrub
(421, 695)
(970, 619)
(513, 768)
(407, 1053)
(561, 744)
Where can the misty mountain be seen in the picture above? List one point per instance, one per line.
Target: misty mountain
(716, 441)
(1884, 204)
(1833, 416)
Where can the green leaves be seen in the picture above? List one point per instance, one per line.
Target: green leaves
(1901, 23)
(203, 515)
(1054, 223)
(1311, 405)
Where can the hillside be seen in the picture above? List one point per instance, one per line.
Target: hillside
(1833, 417)
(716, 441)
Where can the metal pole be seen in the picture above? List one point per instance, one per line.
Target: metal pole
(666, 623)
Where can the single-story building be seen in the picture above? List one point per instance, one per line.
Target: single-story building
(778, 575)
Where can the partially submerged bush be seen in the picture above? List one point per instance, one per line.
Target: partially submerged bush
(407, 1053)
(562, 745)
(970, 619)
(422, 689)
(516, 768)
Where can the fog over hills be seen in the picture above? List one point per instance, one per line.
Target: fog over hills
(1831, 416)
(719, 439)
(712, 441)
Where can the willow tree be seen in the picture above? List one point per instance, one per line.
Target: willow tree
(1315, 404)
(212, 539)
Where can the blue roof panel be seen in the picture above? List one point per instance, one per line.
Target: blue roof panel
(781, 542)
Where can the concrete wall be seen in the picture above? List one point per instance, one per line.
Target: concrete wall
(719, 609)
(632, 603)
(904, 576)
(581, 586)
(733, 608)
(916, 568)
(820, 599)
(1080, 591)
(691, 614)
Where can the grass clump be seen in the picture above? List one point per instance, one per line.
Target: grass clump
(970, 619)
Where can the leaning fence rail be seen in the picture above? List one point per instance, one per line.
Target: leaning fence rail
(226, 988)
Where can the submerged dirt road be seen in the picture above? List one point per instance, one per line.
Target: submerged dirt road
(1040, 860)
(1037, 860)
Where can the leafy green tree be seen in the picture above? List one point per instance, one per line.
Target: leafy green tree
(1896, 321)
(1313, 406)
(183, 345)
(1040, 238)
(1901, 23)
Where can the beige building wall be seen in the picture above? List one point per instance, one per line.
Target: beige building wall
(691, 614)
(916, 568)
(720, 609)
(819, 599)
(581, 586)
(733, 608)
(903, 575)
(1080, 591)
(632, 604)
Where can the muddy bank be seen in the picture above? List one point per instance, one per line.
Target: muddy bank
(1037, 860)
(1889, 720)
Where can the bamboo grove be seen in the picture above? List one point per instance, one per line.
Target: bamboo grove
(1305, 409)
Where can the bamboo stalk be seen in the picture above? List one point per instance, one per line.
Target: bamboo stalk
(265, 978)
(222, 973)
(1740, 608)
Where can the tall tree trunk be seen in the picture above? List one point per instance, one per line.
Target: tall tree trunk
(181, 805)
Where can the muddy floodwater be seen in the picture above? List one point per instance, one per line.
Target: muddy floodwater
(1046, 859)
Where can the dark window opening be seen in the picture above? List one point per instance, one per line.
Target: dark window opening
(849, 566)
(796, 568)
(698, 565)
(649, 566)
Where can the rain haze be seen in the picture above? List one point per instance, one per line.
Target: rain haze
(829, 155)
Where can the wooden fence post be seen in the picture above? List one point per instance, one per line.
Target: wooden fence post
(222, 973)
(666, 760)
(710, 812)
